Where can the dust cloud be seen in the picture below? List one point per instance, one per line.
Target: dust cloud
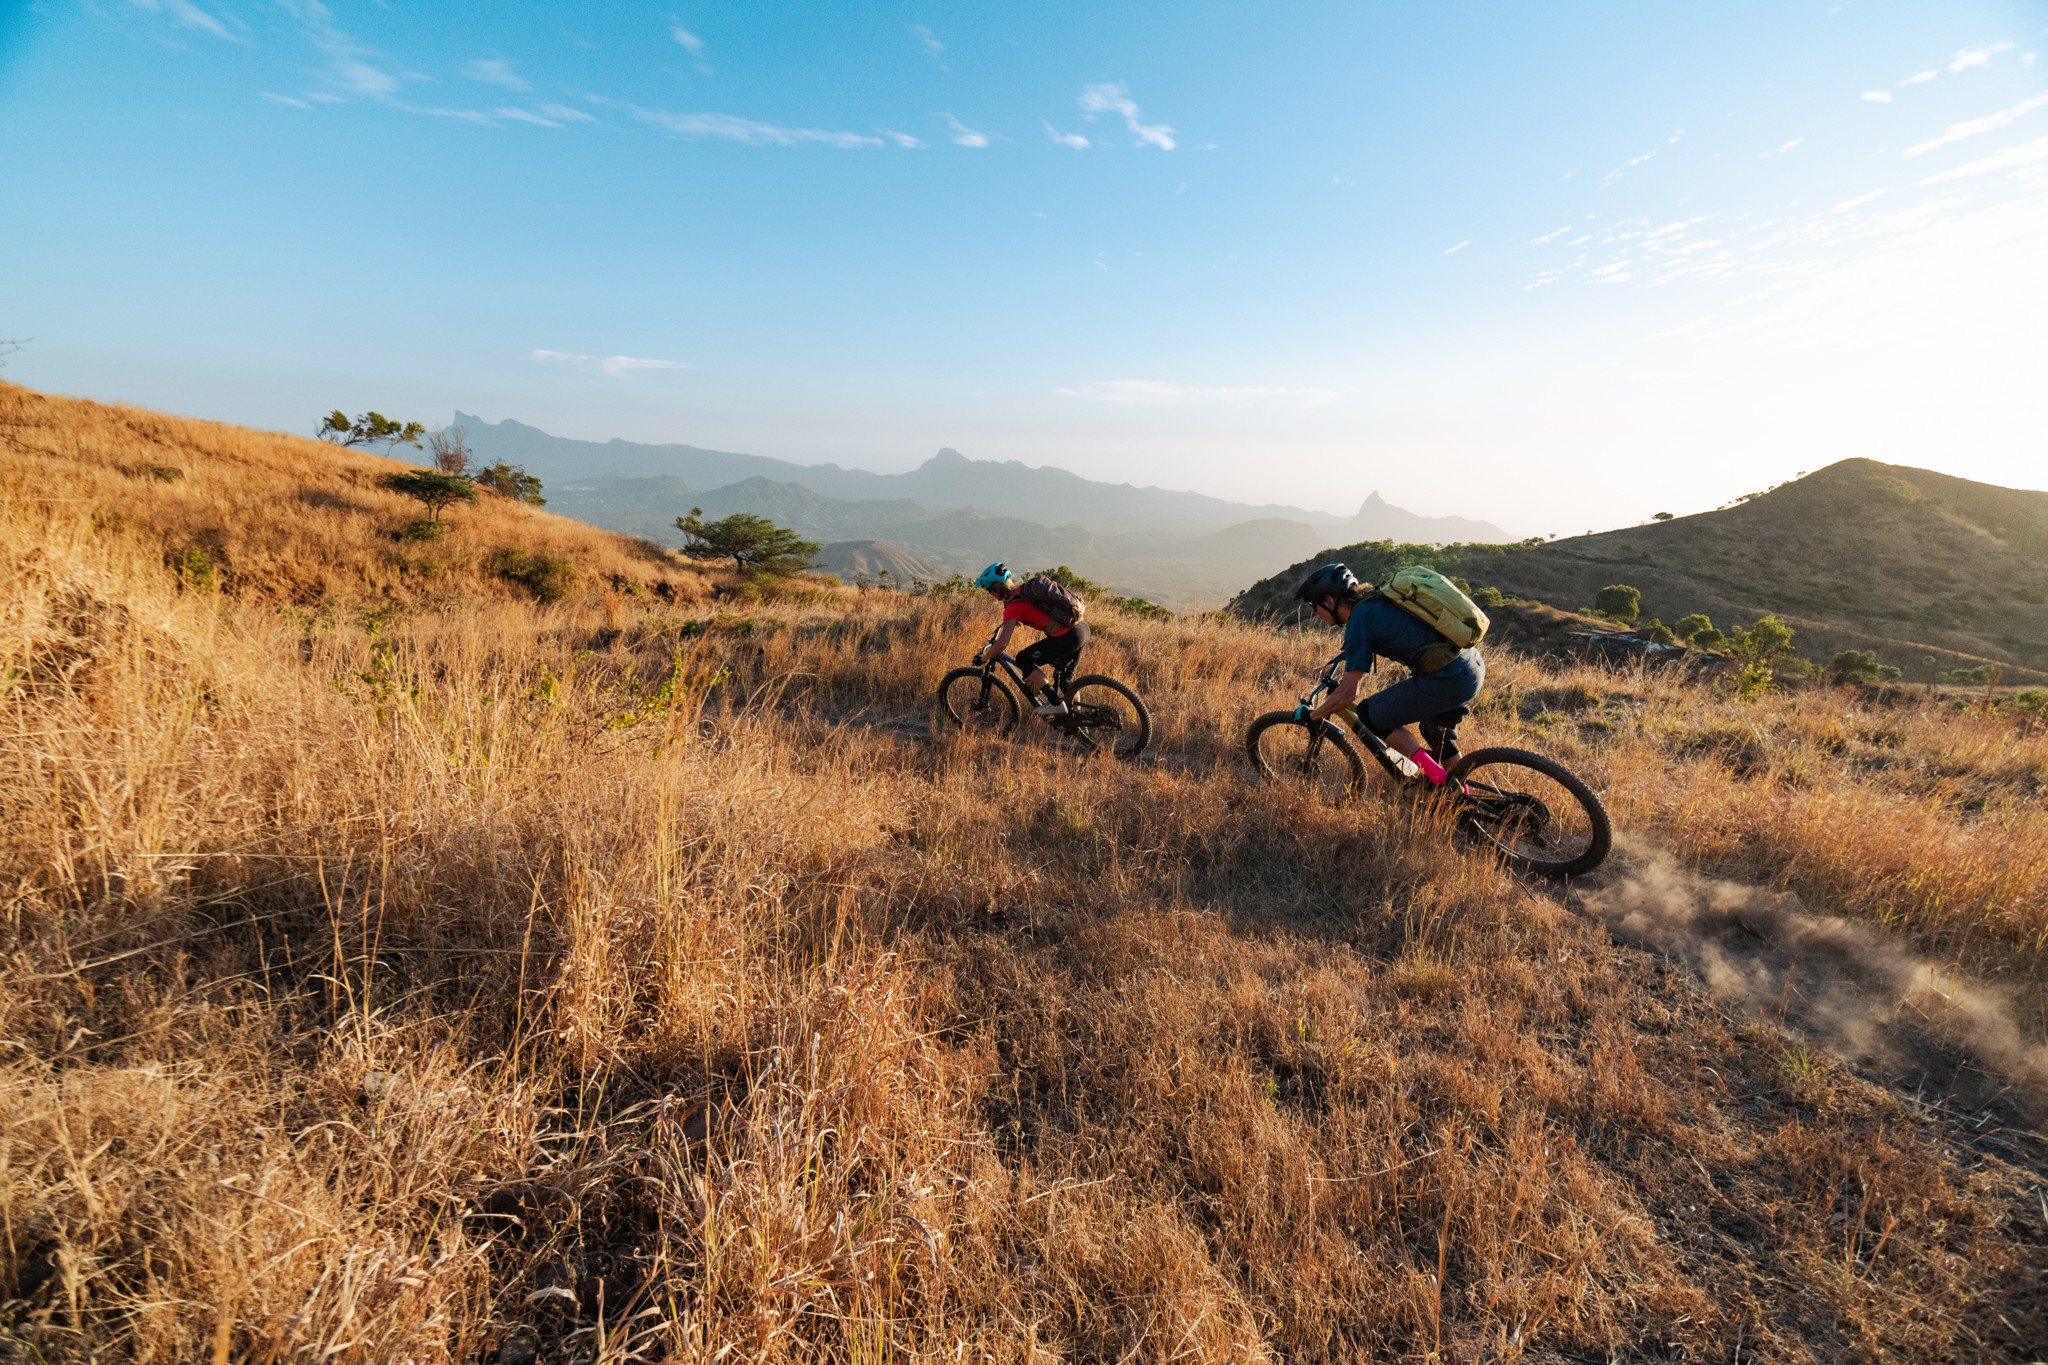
(1843, 985)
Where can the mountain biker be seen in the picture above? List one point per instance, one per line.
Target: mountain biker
(1442, 681)
(1059, 645)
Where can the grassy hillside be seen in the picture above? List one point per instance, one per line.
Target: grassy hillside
(283, 519)
(621, 978)
(1859, 555)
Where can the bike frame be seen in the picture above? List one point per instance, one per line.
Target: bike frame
(1062, 673)
(1398, 765)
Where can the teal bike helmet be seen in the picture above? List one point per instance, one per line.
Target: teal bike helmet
(994, 576)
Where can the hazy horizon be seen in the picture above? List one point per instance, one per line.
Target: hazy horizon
(1557, 271)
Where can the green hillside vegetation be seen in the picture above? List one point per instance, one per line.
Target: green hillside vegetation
(1928, 572)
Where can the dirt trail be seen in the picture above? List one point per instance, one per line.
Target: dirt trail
(1839, 984)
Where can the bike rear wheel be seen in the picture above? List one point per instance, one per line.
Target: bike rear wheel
(1105, 716)
(978, 702)
(1534, 812)
(1330, 770)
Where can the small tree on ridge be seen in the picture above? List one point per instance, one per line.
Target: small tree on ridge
(369, 429)
(431, 489)
(749, 541)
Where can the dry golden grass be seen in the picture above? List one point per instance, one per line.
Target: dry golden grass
(627, 980)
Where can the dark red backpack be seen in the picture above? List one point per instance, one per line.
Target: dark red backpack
(1061, 604)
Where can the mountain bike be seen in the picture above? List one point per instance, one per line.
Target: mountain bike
(1102, 716)
(1532, 811)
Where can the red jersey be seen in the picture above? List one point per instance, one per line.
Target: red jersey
(1017, 609)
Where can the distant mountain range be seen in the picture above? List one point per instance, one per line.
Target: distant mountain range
(952, 514)
(1931, 571)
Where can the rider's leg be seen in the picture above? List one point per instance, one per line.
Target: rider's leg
(1402, 741)
(1391, 713)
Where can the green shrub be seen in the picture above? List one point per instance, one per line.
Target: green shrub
(1656, 632)
(1709, 638)
(1860, 666)
(195, 569)
(1690, 626)
(548, 576)
(424, 530)
(1619, 602)
(1766, 642)
(1138, 606)
(1072, 581)
(1752, 682)
(1981, 676)
(1488, 597)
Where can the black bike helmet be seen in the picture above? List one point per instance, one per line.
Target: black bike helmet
(1332, 580)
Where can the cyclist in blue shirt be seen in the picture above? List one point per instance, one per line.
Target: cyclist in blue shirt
(1442, 679)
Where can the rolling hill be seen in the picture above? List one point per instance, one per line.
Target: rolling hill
(1917, 565)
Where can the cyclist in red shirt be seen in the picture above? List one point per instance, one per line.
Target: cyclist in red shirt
(1060, 645)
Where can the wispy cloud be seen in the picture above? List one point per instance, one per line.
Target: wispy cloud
(187, 15)
(690, 43)
(286, 99)
(1158, 393)
(1878, 96)
(901, 139)
(564, 114)
(1977, 56)
(363, 78)
(963, 135)
(1551, 236)
(525, 116)
(931, 44)
(1858, 202)
(617, 366)
(1625, 167)
(494, 71)
(1971, 127)
(749, 131)
(1459, 247)
(1074, 140)
(2024, 154)
(1113, 98)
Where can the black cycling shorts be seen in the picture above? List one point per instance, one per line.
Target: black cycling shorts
(1054, 650)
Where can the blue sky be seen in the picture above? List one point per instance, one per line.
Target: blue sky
(1559, 267)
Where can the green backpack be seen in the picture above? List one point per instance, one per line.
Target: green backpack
(1429, 596)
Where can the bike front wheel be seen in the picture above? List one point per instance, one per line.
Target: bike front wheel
(1329, 769)
(978, 702)
(1533, 811)
(1104, 716)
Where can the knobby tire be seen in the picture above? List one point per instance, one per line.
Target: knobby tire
(972, 699)
(1525, 844)
(1278, 747)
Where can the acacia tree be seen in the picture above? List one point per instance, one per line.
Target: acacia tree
(369, 429)
(431, 489)
(749, 541)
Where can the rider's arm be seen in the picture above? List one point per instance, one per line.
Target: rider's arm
(1001, 643)
(1346, 693)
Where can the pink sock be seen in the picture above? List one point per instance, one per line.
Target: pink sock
(1431, 769)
